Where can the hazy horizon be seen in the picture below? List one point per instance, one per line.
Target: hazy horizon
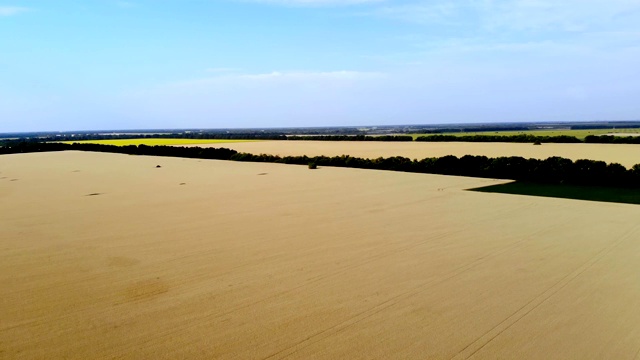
(144, 64)
(507, 125)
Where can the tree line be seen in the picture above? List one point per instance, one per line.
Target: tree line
(554, 170)
(172, 151)
(605, 126)
(612, 139)
(352, 137)
(520, 138)
(528, 138)
(185, 135)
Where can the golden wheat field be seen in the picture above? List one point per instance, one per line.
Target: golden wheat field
(625, 154)
(107, 256)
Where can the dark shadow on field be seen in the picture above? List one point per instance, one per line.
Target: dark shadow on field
(576, 192)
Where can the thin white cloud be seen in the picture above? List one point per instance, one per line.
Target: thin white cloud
(566, 16)
(514, 15)
(275, 77)
(335, 75)
(466, 47)
(420, 13)
(513, 31)
(12, 10)
(312, 3)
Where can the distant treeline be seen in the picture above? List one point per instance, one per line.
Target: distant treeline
(554, 170)
(172, 151)
(527, 138)
(521, 138)
(471, 129)
(608, 139)
(604, 126)
(352, 138)
(189, 135)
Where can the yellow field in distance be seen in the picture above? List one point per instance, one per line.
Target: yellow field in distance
(157, 141)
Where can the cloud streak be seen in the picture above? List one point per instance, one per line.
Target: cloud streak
(315, 3)
(419, 13)
(281, 77)
(513, 15)
(12, 10)
(310, 76)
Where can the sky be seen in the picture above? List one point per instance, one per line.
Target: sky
(156, 64)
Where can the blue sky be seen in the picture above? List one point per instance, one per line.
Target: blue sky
(108, 64)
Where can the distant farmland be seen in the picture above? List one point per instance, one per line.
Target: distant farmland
(578, 133)
(624, 154)
(158, 141)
